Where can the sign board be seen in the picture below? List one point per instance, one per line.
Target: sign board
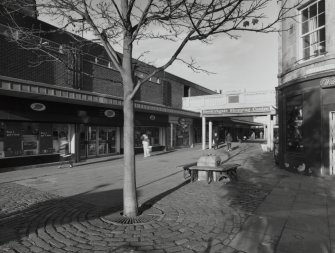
(327, 82)
(12, 140)
(260, 109)
(46, 145)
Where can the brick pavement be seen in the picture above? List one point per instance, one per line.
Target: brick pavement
(192, 217)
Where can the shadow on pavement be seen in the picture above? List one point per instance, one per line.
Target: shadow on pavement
(50, 210)
(283, 211)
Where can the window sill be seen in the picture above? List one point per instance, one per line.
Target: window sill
(311, 60)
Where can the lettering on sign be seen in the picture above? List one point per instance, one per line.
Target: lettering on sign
(45, 134)
(10, 133)
(327, 82)
(239, 110)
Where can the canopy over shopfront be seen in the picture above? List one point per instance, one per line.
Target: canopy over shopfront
(235, 109)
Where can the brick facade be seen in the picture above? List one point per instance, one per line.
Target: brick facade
(86, 68)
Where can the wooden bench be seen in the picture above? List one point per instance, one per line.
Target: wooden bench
(225, 170)
(186, 168)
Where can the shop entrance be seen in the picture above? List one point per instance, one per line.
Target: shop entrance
(97, 141)
(332, 143)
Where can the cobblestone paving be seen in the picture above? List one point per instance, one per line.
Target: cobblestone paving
(197, 218)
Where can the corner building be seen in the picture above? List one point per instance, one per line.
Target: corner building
(40, 103)
(306, 90)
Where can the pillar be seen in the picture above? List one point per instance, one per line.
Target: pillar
(191, 135)
(203, 133)
(271, 133)
(268, 132)
(210, 133)
(171, 135)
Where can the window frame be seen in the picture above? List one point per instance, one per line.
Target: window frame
(309, 32)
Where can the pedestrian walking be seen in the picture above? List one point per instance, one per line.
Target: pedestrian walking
(216, 140)
(229, 139)
(145, 143)
(65, 156)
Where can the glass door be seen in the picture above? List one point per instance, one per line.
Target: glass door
(107, 141)
(111, 140)
(103, 138)
(82, 142)
(97, 141)
(92, 140)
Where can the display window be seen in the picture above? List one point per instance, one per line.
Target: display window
(29, 138)
(182, 135)
(152, 132)
(294, 121)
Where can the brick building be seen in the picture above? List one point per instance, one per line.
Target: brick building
(306, 89)
(81, 97)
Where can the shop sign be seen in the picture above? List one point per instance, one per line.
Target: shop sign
(238, 110)
(38, 107)
(327, 82)
(109, 113)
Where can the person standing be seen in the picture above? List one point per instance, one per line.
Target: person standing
(229, 139)
(216, 140)
(145, 143)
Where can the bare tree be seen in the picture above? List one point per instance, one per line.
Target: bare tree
(121, 23)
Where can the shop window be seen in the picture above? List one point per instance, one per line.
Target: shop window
(27, 138)
(182, 135)
(313, 30)
(152, 132)
(294, 121)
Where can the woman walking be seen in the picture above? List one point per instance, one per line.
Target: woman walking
(229, 139)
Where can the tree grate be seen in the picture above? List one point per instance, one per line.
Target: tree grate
(151, 215)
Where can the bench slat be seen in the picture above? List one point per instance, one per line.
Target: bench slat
(187, 165)
(223, 167)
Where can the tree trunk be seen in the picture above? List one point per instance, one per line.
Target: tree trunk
(130, 206)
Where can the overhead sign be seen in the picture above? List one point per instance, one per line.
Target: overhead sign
(260, 109)
(327, 82)
(109, 113)
(38, 107)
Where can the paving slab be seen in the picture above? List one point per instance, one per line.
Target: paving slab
(266, 210)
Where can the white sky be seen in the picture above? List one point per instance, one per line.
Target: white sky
(247, 63)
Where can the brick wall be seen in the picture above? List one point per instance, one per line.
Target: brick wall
(18, 63)
(101, 79)
(151, 92)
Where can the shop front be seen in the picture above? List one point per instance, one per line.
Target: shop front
(306, 126)
(95, 141)
(31, 131)
(23, 142)
(154, 125)
(181, 131)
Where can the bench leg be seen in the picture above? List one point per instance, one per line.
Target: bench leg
(187, 173)
(194, 175)
(209, 177)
